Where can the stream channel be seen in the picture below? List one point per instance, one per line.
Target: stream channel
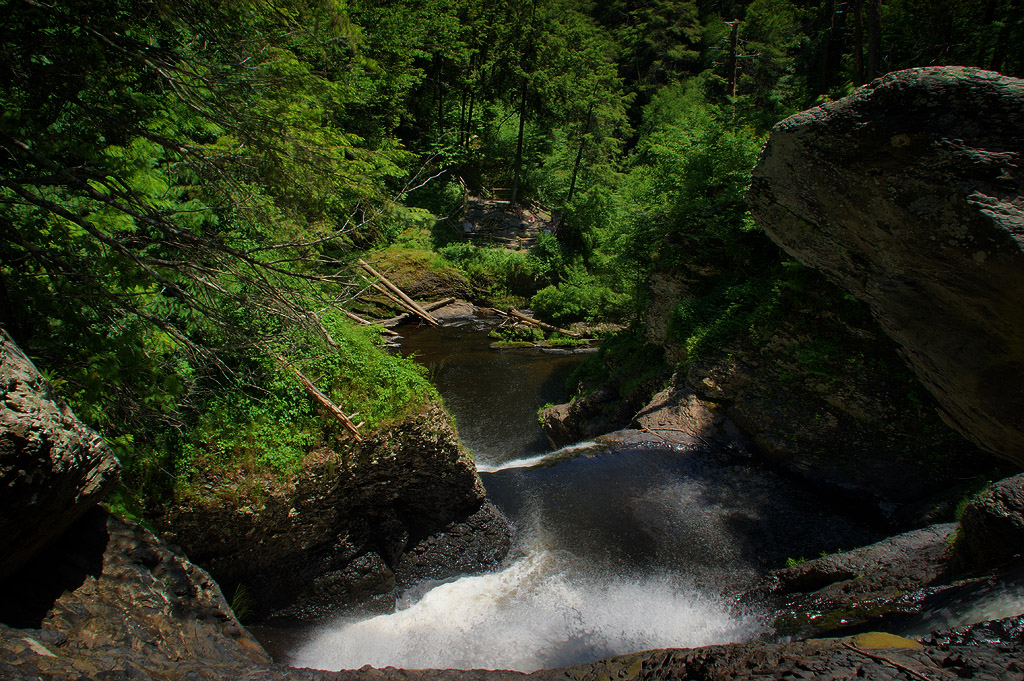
(619, 547)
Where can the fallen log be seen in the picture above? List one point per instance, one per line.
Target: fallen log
(363, 322)
(389, 295)
(519, 316)
(429, 308)
(324, 401)
(401, 294)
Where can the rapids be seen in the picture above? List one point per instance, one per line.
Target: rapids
(543, 610)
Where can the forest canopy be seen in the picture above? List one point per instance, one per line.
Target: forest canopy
(185, 185)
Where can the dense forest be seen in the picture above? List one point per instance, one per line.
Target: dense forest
(185, 186)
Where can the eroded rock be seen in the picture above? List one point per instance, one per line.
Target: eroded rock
(52, 467)
(908, 193)
(583, 418)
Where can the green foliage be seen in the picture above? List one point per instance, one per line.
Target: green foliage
(500, 275)
(625, 360)
(975, 490)
(727, 308)
(689, 181)
(242, 603)
(271, 424)
(578, 297)
(517, 333)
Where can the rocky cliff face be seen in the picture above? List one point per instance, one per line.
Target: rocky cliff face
(908, 194)
(52, 467)
(83, 593)
(992, 526)
(351, 528)
(820, 392)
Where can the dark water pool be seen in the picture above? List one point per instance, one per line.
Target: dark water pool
(493, 394)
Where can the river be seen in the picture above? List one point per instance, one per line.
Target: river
(619, 548)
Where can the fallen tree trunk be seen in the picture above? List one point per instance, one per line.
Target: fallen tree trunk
(359, 320)
(389, 295)
(410, 303)
(429, 308)
(519, 316)
(324, 401)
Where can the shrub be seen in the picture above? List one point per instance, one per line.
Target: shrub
(497, 273)
(578, 297)
(262, 422)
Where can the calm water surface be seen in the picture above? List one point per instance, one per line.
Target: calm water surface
(493, 394)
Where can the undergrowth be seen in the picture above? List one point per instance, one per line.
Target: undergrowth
(502, 276)
(625, 359)
(261, 424)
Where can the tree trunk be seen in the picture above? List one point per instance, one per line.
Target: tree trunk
(858, 50)
(998, 59)
(462, 117)
(576, 168)
(733, 65)
(826, 47)
(874, 38)
(579, 155)
(440, 99)
(518, 164)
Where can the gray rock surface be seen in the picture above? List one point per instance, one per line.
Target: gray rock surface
(901, 563)
(992, 526)
(859, 589)
(111, 596)
(908, 193)
(52, 467)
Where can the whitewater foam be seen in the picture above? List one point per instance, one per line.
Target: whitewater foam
(538, 612)
(541, 459)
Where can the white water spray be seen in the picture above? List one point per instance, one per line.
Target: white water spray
(536, 613)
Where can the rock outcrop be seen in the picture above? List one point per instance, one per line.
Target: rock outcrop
(52, 467)
(351, 528)
(83, 594)
(992, 526)
(908, 193)
(861, 589)
(113, 599)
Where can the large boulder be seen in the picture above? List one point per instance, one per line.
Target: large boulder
(908, 193)
(52, 467)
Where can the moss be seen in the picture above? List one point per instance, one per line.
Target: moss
(880, 640)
